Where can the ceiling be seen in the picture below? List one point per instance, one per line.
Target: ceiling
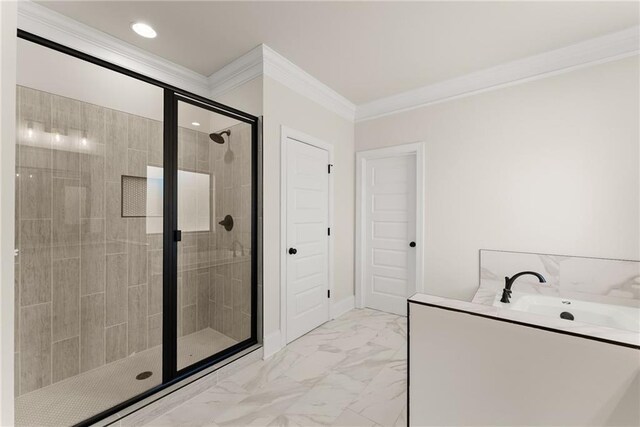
(362, 50)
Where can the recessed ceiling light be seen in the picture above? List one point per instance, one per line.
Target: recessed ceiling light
(144, 30)
(195, 123)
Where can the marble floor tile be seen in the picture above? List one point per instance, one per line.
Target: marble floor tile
(315, 366)
(327, 399)
(365, 362)
(261, 407)
(203, 408)
(350, 371)
(385, 396)
(261, 372)
(351, 419)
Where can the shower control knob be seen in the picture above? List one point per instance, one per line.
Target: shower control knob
(293, 251)
(412, 244)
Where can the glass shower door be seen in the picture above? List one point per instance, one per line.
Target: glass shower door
(214, 216)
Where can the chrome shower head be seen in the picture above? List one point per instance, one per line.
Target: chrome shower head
(218, 138)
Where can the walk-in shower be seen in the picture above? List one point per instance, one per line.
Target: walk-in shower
(125, 279)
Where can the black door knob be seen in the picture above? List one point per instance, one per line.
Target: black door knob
(293, 251)
(412, 244)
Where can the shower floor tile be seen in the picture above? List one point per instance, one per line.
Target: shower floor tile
(82, 396)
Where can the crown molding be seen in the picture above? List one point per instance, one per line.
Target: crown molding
(286, 72)
(262, 60)
(237, 72)
(602, 49)
(56, 27)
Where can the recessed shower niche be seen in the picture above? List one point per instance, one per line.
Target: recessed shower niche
(125, 280)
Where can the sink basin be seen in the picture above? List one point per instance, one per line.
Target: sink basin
(609, 315)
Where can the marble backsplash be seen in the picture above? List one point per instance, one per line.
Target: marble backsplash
(592, 279)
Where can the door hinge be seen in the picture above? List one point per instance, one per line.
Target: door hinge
(177, 235)
(328, 293)
(329, 168)
(329, 231)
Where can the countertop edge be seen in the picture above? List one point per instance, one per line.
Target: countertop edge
(577, 329)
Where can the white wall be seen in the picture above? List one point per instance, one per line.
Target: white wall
(502, 374)
(548, 166)
(74, 78)
(282, 106)
(48, 70)
(246, 97)
(8, 20)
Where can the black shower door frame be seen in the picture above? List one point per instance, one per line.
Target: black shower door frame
(170, 374)
(172, 236)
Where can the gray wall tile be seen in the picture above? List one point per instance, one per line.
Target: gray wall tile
(34, 105)
(116, 342)
(203, 299)
(35, 261)
(136, 162)
(137, 256)
(116, 289)
(115, 145)
(189, 319)
(93, 122)
(92, 274)
(116, 226)
(138, 319)
(35, 347)
(189, 287)
(66, 212)
(66, 359)
(66, 299)
(155, 330)
(155, 143)
(155, 294)
(92, 176)
(138, 132)
(65, 114)
(92, 230)
(91, 332)
(35, 182)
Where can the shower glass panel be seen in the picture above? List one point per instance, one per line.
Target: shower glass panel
(214, 185)
(88, 263)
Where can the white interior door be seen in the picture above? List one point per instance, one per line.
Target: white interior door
(390, 232)
(307, 238)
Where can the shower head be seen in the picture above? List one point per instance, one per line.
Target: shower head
(218, 138)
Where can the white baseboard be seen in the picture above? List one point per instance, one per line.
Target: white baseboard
(341, 307)
(272, 344)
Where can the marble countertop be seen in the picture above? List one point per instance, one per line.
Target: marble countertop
(615, 336)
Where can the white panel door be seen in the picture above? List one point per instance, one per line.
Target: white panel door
(307, 238)
(390, 224)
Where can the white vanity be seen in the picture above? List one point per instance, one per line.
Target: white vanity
(478, 365)
(563, 352)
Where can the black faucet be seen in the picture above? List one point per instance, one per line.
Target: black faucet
(508, 283)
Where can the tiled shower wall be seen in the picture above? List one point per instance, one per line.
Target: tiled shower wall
(230, 296)
(89, 282)
(214, 283)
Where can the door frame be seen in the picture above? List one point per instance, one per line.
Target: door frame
(288, 133)
(417, 148)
